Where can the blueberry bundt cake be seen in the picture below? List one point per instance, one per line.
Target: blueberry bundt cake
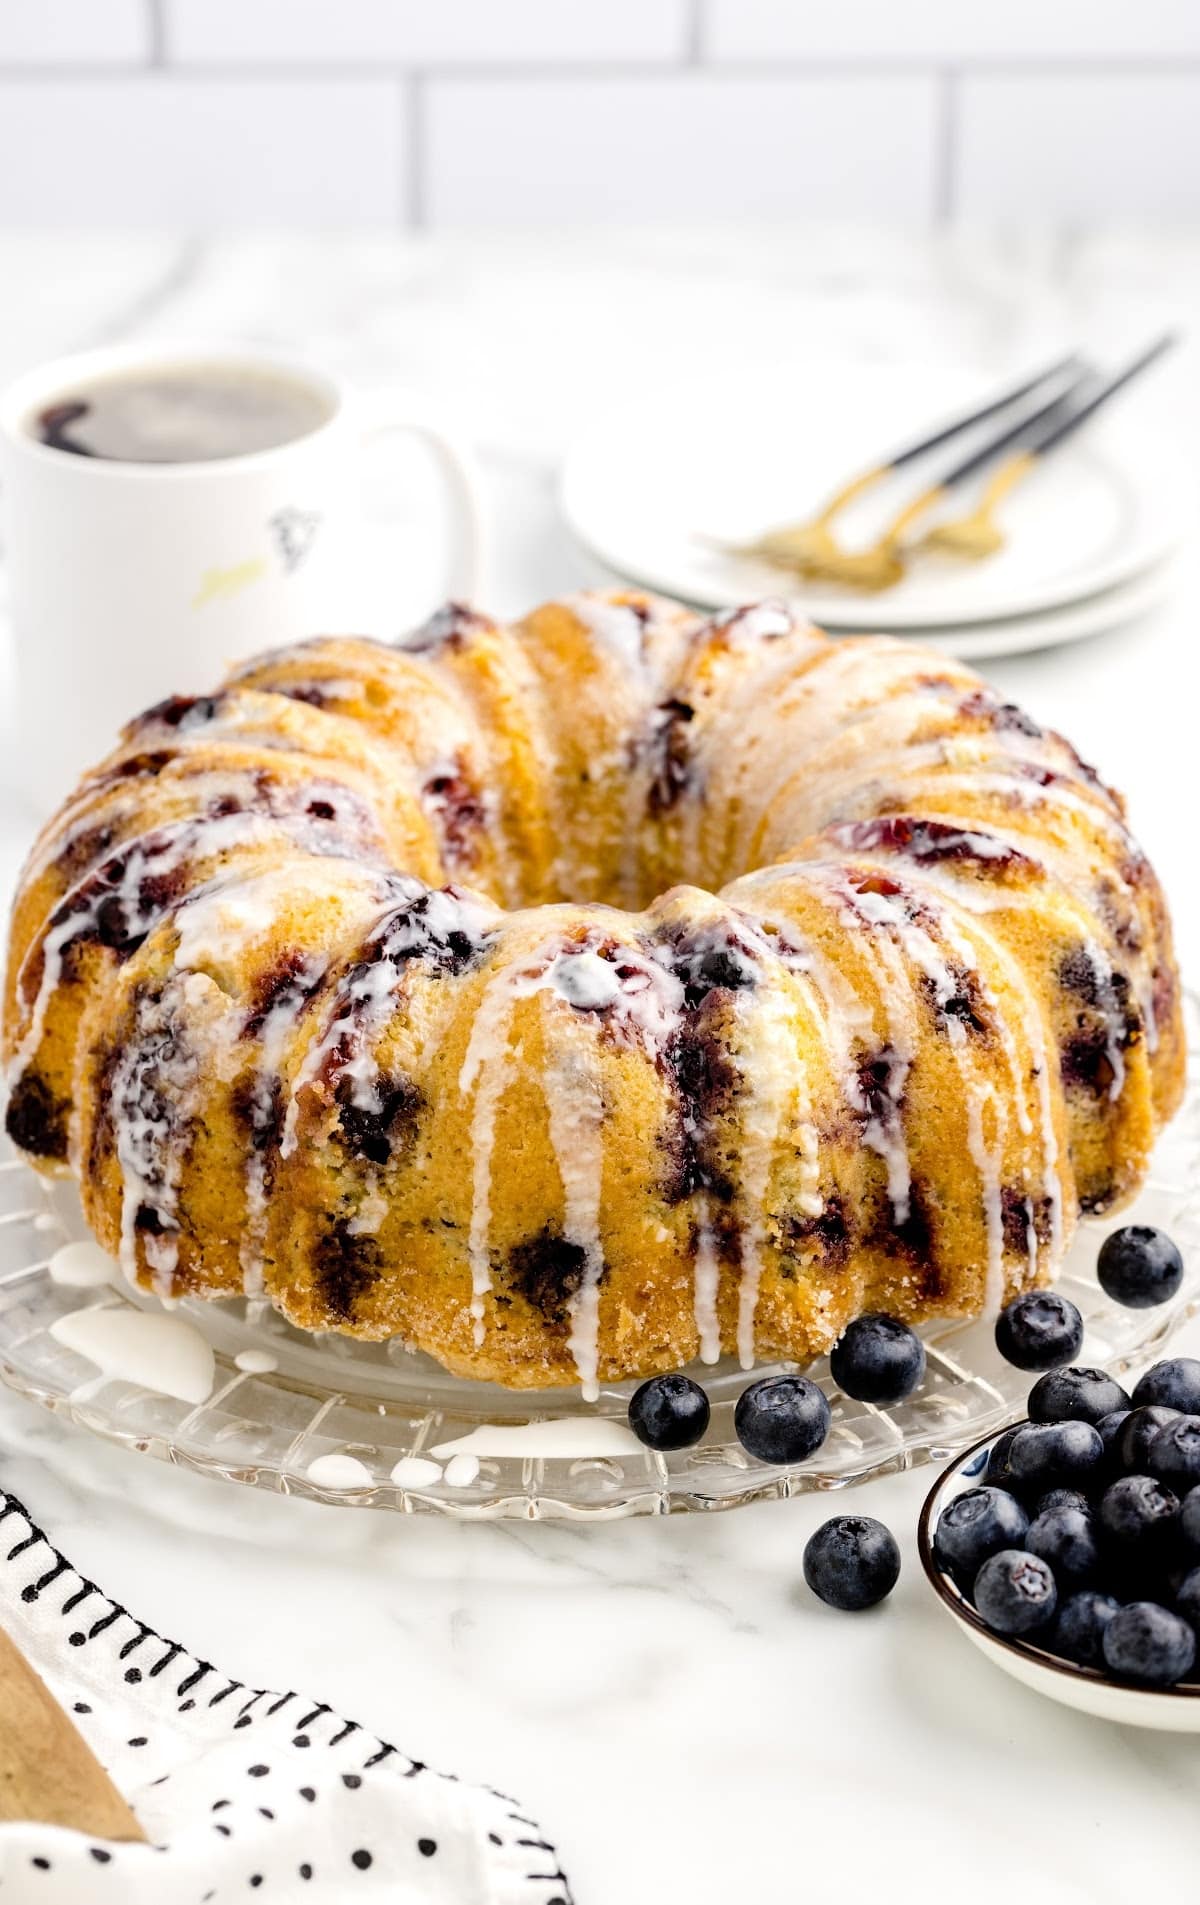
(573, 999)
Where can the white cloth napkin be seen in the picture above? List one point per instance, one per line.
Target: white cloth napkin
(240, 1791)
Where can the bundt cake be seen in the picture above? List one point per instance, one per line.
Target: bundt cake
(572, 999)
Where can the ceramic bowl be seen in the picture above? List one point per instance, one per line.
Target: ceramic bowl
(1169, 1710)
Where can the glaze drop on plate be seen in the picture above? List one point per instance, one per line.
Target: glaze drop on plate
(415, 1471)
(83, 1266)
(162, 1353)
(255, 1362)
(339, 1471)
(570, 1438)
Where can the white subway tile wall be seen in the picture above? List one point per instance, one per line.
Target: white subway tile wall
(180, 152)
(427, 32)
(74, 32)
(1101, 145)
(687, 147)
(325, 113)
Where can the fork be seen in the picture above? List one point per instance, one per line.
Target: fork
(883, 564)
(977, 534)
(796, 545)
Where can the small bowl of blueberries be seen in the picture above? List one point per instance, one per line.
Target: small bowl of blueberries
(1068, 1547)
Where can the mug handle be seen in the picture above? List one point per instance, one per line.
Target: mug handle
(395, 413)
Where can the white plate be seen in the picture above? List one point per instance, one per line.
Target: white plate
(1019, 634)
(1168, 1710)
(644, 486)
(1051, 628)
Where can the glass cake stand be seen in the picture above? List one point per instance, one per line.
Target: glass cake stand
(531, 1456)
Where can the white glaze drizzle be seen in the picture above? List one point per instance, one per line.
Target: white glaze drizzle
(339, 1470)
(83, 1266)
(162, 1353)
(706, 1283)
(566, 1438)
(255, 1362)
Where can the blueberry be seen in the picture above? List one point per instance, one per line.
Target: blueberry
(1139, 1267)
(1138, 1431)
(1055, 1454)
(852, 1562)
(1062, 1498)
(1077, 1395)
(781, 1418)
(878, 1359)
(1015, 1592)
(976, 1525)
(1078, 1631)
(1110, 1427)
(1189, 1518)
(1148, 1643)
(1039, 1330)
(1174, 1454)
(669, 1412)
(1187, 1598)
(1066, 1540)
(1139, 1513)
(1175, 1384)
(998, 1471)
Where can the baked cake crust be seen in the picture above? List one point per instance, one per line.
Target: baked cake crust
(575, 998)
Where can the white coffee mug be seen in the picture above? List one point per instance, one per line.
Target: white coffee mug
(131, 581)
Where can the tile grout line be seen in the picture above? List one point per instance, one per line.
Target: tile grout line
(529, 72)
(945, 184)
(157, 25)
(697, 33)
(415, 209)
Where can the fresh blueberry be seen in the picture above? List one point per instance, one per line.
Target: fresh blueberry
(1189, 1518)
(1175, 1384)
(1039, 1330)
(998, 1472)
(781, 1418)
(1062, 1498)
(852, 1562)
(1138, 1432)
(878, 1359)
(1139, 1513)
(1187, 1598)
(669, 1412)
(1148, 1643)
(1077, 1395)
(1066, 1540)
(976, 1525)
(1139, 1267)
(1110, 1427)
(1078, 1631)
(1055, 1454)
(1015, 1592)
(1174, 1454)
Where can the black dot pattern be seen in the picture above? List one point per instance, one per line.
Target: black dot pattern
(366, 1822)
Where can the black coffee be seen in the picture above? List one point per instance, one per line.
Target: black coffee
(194, 414)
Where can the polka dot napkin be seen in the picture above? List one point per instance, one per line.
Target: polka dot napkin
(238, 1789)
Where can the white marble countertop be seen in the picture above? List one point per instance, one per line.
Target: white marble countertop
(666, 1696)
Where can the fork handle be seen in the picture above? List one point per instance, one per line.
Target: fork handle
(1066, 367)
(1057, 428)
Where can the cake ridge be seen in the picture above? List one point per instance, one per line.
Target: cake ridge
(574, 997)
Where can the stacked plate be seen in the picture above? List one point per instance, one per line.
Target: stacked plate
(653, 492)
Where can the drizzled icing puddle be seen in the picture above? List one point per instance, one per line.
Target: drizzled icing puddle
(339, 1471)
(255, 1362)
(162, 1353)
(572, 1438)
(83, 1266)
